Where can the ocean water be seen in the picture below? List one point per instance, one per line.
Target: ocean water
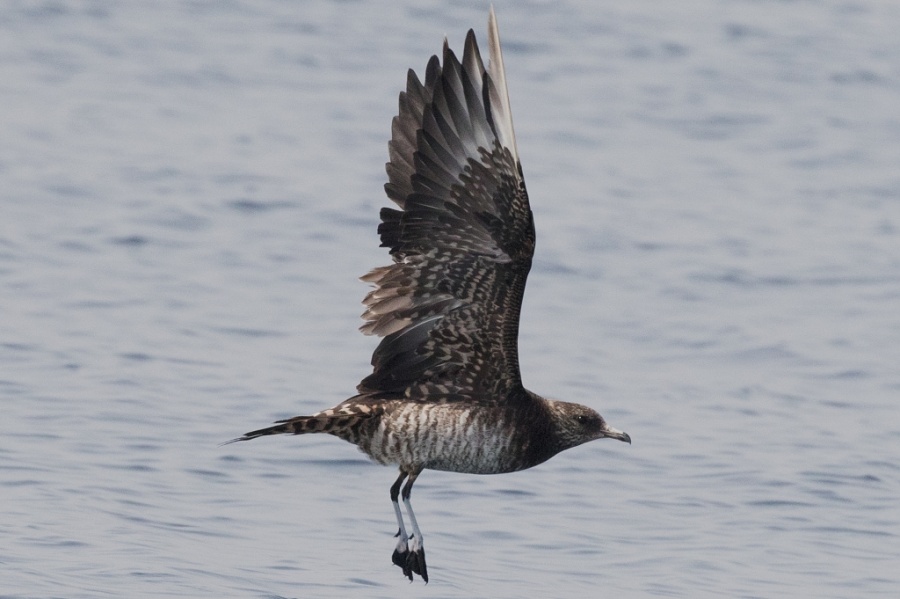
(189, 190)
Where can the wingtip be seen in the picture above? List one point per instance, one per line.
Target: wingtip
(497, 72)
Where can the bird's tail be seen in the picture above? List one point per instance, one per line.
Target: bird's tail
(335, 421)
(292, 426)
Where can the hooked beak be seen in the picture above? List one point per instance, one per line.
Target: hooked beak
(613, 433)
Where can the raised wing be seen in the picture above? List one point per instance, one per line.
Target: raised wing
(462, 243)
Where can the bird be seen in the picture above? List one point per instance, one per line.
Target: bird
(446, 392)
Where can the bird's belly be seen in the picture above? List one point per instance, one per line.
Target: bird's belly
(450, 437)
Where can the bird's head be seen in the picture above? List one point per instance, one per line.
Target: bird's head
(576, 424)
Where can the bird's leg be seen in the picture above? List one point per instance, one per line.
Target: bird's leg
(415, 559)
(400, 552)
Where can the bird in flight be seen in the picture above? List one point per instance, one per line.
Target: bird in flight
(445, 392)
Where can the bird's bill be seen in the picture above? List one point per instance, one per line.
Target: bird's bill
(613, 433)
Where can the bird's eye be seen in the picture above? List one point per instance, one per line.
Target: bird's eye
(581, 419)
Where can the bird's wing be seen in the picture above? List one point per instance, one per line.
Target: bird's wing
(462, 241)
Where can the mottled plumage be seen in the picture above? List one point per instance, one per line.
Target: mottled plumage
(445, 392)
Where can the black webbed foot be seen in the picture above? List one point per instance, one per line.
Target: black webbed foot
(411, 558)
(415, 560)
(399, 559)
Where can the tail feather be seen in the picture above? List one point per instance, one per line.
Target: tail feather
(335, 421)
(293, 426)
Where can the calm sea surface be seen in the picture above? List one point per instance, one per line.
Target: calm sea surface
(188, 191)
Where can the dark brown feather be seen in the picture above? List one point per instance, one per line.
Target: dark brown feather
(462, 242)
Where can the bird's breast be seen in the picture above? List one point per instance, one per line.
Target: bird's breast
(454, 437)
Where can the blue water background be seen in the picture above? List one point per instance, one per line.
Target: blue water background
(188, 191)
